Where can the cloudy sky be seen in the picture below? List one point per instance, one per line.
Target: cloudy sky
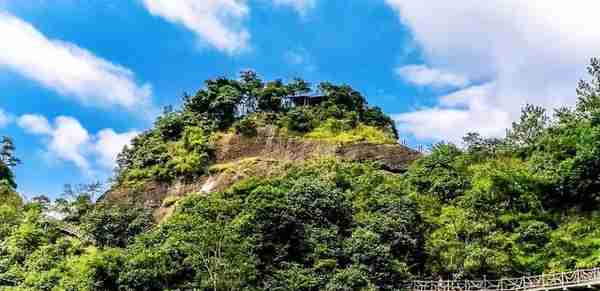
(79, 79)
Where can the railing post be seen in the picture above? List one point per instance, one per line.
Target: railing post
(484, 283)
(543, 281)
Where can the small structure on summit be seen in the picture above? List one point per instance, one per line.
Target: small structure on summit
(307, 100)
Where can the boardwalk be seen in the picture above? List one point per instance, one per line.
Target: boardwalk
(585, 278)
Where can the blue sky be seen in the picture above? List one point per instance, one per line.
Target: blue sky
(78, 79)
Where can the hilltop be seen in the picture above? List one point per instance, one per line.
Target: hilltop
(234, 129)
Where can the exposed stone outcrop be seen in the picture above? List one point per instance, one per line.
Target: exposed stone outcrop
(268, 143)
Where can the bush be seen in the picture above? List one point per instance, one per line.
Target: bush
(116, 225)
(246, 127)
(299, 120)
(374, 116)
(351, 278)
(9, 197)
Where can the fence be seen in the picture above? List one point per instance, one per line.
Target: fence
(579, 278)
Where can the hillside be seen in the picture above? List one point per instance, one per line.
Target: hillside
(237, 157)
(256, 185)
(234, 129)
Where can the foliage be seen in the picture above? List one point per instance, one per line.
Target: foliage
(8, 197)
(299, 120)
(246, 127)
(304, 231)
(7, 161)
(116, 225)
(7, 152)
(336, 130)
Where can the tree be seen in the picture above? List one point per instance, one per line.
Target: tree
(7, 161)
(441, 173)
(218, 101)
(532, 124)
(116, 225)
(374, 116)
(250, 85)
(7, 178)
(480, 148)
(344, 96)
(77, 201)
(270, 98)
(298, 87)
(7, 152)
(588, 92)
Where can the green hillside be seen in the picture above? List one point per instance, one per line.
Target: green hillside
(522, 204)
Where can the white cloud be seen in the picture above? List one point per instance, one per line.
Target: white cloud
(422, 75)
(302, 6)
(457, 114)
(66, 68)
(302, 58)
(218, 22)
(4, 118)
(531, 51)
(35, 124)
(109, 144)
(69, 141)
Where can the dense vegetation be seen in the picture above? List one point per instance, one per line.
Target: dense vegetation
(522, 204)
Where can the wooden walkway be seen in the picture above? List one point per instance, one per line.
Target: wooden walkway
(585, 278)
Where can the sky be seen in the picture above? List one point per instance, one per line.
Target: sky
(80, 78)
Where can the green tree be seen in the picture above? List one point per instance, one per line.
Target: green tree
(7, 152)
(524, 134)
(442, 173)
(588, 92)
(116, 224)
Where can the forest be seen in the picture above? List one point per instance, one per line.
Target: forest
(523, 204)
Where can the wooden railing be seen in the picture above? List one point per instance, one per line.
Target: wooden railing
(579, 278)
(74, 231)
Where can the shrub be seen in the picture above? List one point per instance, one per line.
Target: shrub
(246, 127)
(115, 225)
(299, 120)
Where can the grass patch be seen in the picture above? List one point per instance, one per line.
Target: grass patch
(234, 166)
(334, 130)
(170, 201)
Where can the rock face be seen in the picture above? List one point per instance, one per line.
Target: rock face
(268, 143)
(238, 157)
(394, 158)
